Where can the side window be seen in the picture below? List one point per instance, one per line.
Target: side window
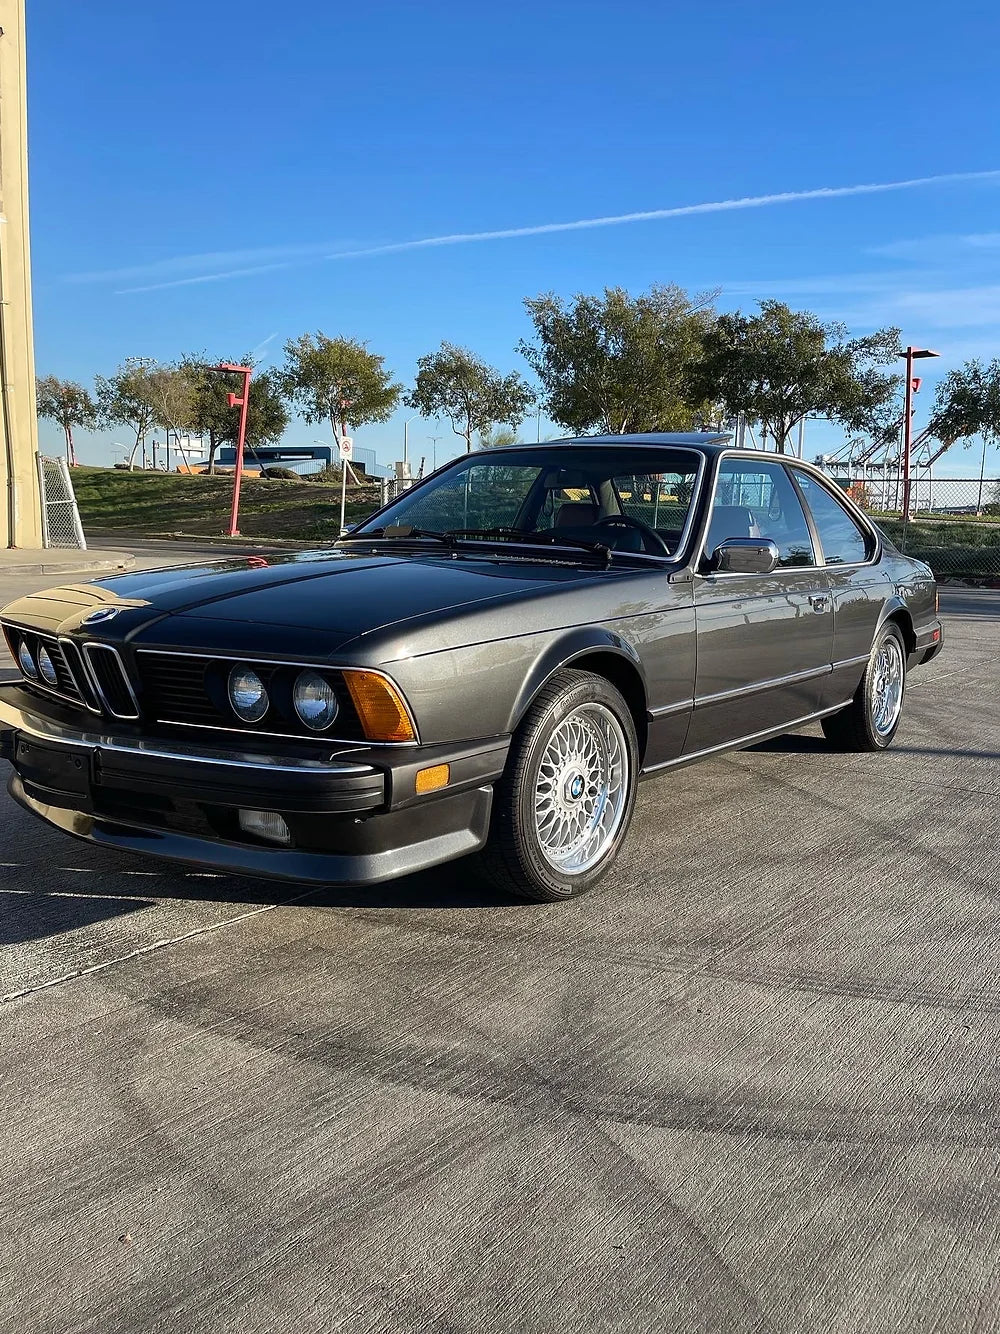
(754, 499)
(843, 541)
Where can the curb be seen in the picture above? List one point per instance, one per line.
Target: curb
(125, 561)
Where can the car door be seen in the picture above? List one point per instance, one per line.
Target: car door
(764, 641)
(859, 585)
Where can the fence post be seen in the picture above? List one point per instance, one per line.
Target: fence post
(40, 465)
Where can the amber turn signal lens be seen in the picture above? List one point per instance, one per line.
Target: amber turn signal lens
(380, 707)
(429, 780)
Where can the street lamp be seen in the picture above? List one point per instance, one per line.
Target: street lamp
(241, 401)
(910, 354)
(406, 439)
(434, 450)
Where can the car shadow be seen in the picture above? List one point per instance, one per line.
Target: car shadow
(29, 915)
(792, 743)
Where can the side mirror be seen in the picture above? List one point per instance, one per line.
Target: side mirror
(744, 555)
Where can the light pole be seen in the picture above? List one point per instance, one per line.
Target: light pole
(982, 479)
(406, 439)
(434, 450)
(910, 354)
(241, 401)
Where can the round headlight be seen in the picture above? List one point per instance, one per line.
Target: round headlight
(46, 668)
(315, 701)
(247, 694)
(27, 661)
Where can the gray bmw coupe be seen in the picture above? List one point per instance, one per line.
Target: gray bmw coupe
(488, 665)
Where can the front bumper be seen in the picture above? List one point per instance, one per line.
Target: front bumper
(354, 817)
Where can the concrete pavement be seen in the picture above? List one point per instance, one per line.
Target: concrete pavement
(750, 1084)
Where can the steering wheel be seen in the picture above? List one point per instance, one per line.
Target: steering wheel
(649, 535)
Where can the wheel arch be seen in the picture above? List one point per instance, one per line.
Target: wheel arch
(897, 611)
(602, 652)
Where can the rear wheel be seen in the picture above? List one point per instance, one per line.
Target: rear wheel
(563, 807)
(870, 720)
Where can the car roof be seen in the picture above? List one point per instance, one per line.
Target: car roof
(705, 440)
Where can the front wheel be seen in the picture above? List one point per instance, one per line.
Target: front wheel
(870, 720)
(563, 807)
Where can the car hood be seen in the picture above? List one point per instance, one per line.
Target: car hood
(334, 594)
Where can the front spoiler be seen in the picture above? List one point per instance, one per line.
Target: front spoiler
(355, 817)
(468, 816)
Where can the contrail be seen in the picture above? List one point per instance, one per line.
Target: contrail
(618, 220)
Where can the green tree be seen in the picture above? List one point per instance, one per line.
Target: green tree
(967, 404)
(69, 404)
(781, 365)
(267, 411)
(456, 384)
(615, 364)
(173, 390)
(338, 380)
(497, 438)
(126, 399)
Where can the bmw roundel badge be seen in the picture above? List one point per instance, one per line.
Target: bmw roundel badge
(100, 614)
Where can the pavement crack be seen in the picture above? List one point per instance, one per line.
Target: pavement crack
(152, 948)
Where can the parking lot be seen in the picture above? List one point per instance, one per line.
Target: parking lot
(749, 1084)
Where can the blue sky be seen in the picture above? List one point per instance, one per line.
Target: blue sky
(171, 143)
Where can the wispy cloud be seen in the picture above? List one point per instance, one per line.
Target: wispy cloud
(253, 260)
(207, 278)
(581, 224)
(951, 244)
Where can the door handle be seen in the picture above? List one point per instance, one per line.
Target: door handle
(818, 601)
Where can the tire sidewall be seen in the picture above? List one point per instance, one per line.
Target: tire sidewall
(589, 690)
(879, 740)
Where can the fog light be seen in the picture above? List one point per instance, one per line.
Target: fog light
(265, 824)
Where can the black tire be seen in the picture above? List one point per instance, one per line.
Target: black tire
(856, 727)
(515, 856)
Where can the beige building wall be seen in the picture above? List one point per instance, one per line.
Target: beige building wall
(20, 520)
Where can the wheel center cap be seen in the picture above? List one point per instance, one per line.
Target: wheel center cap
(574, 785)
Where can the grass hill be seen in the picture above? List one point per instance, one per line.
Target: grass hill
(157, 502)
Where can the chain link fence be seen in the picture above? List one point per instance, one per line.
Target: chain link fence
(954, 522)
(61, 526)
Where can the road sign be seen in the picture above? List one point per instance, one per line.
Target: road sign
(346, 447)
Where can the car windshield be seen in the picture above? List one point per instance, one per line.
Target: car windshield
(628, 498)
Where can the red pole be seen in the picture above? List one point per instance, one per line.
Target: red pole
(907, 432)
(242, 403)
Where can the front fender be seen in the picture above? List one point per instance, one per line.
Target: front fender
(563, 652)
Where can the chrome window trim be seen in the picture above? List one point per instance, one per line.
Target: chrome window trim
(673, 560)
(755, 457)
(96, 646)
(789, 465)
(203, 656)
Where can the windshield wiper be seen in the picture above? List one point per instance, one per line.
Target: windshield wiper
(532, 539)
(393, 531)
